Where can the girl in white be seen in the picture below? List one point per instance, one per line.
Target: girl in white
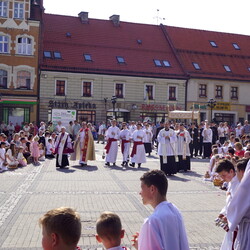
(10, 156)
(2, 157)
(42, 152)
(20, 158)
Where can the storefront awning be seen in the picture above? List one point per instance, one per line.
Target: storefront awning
(18, 101)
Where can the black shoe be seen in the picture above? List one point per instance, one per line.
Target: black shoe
(83, 164)
(114, 164)
(132, 165)
(123, 163)
(139, 165)
(102, 142)
(107, 164)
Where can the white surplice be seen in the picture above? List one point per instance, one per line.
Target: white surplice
(125, 135)
(140, 156)
(238, 212)
(112, 132)
(166, 146)
(164, 229)
(182, 143)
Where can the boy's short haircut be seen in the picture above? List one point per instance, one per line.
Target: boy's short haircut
(242, 164)
(215, 151)
(63, 221)
(109, 226)
(158, 179)
(224, 165)
(49, 140)
(231, 151)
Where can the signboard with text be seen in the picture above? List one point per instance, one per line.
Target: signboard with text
(63, 115)
(222, 106)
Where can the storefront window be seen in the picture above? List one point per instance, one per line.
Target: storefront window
(153, 117)
(87, 116)
(222, 117)
(15, 115)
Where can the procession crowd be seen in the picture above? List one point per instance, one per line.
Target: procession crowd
(176, 143)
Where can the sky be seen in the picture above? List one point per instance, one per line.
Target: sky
(216, 15)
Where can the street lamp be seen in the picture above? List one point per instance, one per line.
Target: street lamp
(211, 103)
(113, 100)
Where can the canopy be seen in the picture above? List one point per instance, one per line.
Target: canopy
(179, 114)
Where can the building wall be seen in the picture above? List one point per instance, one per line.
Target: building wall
(104, 87)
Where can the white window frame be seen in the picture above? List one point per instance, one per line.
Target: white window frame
(25, 46)
(123, 84)
(236, 46)
(145, 91)
(19, 9)
(5, 42)
(85, 80)
(66, 85)
(227, 68)
(196, 66)
(31, 70)
(4, 9)
(176, 92)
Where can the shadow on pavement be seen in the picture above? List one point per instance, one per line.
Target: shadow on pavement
(199, 160)
(121, 168)
(191, 173)
(177, 178)
(65, 170)
(86, 168)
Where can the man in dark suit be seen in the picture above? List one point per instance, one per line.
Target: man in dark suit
(193, 145)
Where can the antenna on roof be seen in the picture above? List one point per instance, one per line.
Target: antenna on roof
(157, 17)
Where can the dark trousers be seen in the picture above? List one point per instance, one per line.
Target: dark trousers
(193, 149)
(169, 167)
(207, 146)
(183, 164)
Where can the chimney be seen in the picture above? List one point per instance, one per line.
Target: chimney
(84, 16)
(115, 19)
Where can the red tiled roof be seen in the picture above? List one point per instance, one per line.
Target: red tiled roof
(104, 41)
(194, 46)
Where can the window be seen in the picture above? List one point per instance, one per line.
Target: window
(234, 92)
(24, 46)
(119, 90)
(23, 79)
(248, 68)
(3, 9)
(166, 63)
(57, 55)
(227, 68)
(120, 59)
(218, 91)
(3, 79)
(172, 93)
(149, 92)
(60, 87)
(4, 44)
(236, 46)
(213, 44)
(87, 57)
(87, 87)
(203, 90)
(18, 10)
(47, 54)
(196, 66)
(157, 63)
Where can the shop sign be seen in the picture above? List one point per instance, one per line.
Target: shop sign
(247, 108)
(63, 115)
(165, 108)
(223, 106)
(198, 106)
(74, 105)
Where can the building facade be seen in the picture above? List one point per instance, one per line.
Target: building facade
(19, 50)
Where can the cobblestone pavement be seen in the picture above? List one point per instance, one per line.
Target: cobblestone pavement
(29, 192)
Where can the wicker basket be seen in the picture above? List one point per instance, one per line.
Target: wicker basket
(12, 166)
(218, 182)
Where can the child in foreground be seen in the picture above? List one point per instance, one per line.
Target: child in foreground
(61, 229)
(109, 231)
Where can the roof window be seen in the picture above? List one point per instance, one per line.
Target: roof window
(213, 44)
(166, 63)
(68, 34)
(47, 54)
(248, 68)
(157, 63)
(57, 55)
(236, 46)
(87, 57)
(120, 59)
(227, 68)
(196, 66)
(139, 41)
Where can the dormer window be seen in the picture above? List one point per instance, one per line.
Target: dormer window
(196, 66)
(57, 55)
(87, 57)
(120, 59)
(47, 54)
(213, 44)
(227, 68)
(236, 46)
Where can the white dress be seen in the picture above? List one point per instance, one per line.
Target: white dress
(2, 155)
(112, 132)
(140, 156)
(164, 229)
(125, 135)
